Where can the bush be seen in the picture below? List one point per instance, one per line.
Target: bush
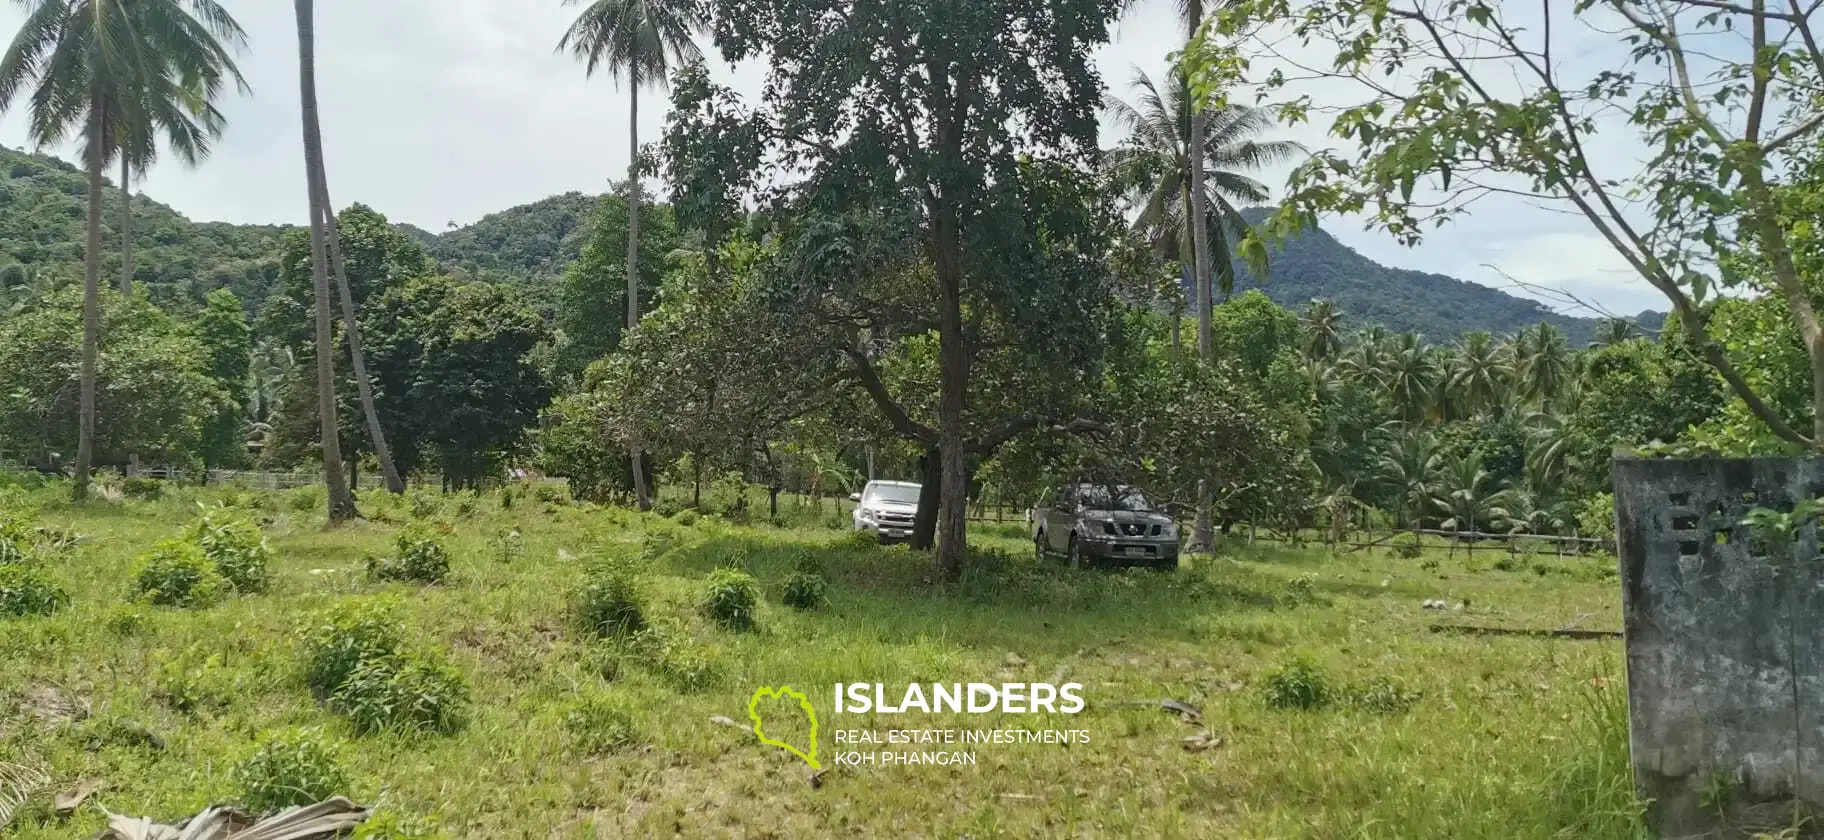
(25, 591)
(467, 504)
(235, 546)
(804, 591)
(176, 574)
(597, 726)
(14, 553)
(550, 494)
(420, 558)
(609, 605)
(305, 499)
(288, 771)
(348, 635)
(667, 508)
(731, 599)
(140, 487)
(1407, 547)
(686, 518)
(506, 497)
(682, 665)
(402, 693)
(426, 504)
(1298, 685)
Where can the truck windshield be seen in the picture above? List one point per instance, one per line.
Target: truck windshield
(1119, 498)
(902, 493)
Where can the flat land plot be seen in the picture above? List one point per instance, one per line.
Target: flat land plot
(1410, 732)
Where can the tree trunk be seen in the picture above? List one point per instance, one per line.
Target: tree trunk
(341, 500)
(924, 523)
(91, 303)
(641, 493)
(1200, 251)
(126, 224)
(351, 327)
(953, 389)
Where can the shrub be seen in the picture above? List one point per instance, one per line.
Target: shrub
(550, 494)
(609, 605)
(402, 693)
(140, 487)
(176, 574)
(387, 825)
(349, 634)
(235, 546)
(731, 599)
(506, 497)
(1407, 547)
(287, 771)
(25, 591)
(1302, 589)
(667, 508)
(671, 656)
(597, 726)
(426, 504)
(803, 591)
(14, 553)
(686, 518)
(1298, 685)
(420, 558)
(861, 539)
(306, 499)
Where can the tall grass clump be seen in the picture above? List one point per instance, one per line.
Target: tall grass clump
(731, 599)
(235, 546)
(419, 556)
(176, 574)
(609, 604)
(288, 771)
(356, 661)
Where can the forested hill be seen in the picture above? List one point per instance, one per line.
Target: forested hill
(1316, 265)
(41, 236)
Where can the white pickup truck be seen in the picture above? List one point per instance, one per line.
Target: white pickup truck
(888, 508)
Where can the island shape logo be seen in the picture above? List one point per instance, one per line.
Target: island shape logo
(753, 714)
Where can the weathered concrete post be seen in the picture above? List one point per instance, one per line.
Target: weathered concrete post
(1725, 637)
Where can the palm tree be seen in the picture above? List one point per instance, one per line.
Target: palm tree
(188, 128)
(1408, 468)
(1323, 329)
(1480, 374)
(638, 40)
(1542, 364)
(1153, 167)
(97, 66)
(341, 499)
(1467, 495)
(1411, 377)
(1612, 331)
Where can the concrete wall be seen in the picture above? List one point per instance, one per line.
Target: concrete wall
(1724, 642)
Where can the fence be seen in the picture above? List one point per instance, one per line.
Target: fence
(1468, 541)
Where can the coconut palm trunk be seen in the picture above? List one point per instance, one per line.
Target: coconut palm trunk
(126, 224)
(641, 493)
(351, 327)
(91, 301)
(1200, 250)
(341, 501)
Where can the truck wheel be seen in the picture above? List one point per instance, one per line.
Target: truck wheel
(1076, 553)
(1038, 546)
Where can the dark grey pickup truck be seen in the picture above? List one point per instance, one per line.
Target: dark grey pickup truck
(1104, 524)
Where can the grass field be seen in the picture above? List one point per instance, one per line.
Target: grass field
(1408, 733)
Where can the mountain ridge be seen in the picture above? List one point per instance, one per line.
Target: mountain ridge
(42, 213)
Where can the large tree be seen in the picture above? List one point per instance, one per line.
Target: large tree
(1485, 99)
(638, 41)
(111, 70)
(340, 498)
(912, 121)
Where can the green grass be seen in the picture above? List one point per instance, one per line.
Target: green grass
(1421, 734)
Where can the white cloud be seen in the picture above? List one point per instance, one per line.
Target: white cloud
(446, 110)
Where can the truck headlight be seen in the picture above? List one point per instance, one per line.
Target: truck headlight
(1169, 531)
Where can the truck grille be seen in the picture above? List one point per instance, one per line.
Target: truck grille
(897, 520)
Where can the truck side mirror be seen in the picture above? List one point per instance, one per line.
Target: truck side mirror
(854, 497)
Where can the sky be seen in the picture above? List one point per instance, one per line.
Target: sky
(438, 112)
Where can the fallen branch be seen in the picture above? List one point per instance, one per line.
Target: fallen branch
(1563, 633)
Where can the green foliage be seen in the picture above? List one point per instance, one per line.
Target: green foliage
(402, 693)
(804, 591)
(1299, 684)
(235, 546)
(152, 392)
(419, 556)
(290, 770)
(142, 488)
(732, 599)
(609, 604)
(177, 574)
(592, 297)
(226, 340)
(342, 639)
(1597, 517)
(24, 590)
(1384, 696)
